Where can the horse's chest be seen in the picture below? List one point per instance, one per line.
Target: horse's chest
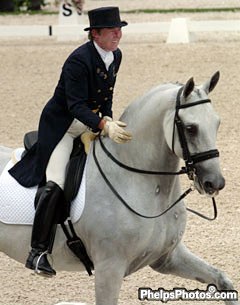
(158, 240)
(169, 230)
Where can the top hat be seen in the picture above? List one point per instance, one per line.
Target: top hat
(105, 17)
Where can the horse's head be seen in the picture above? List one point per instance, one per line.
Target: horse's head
(194, 135)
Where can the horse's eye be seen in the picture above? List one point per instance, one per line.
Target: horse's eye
(191, 129)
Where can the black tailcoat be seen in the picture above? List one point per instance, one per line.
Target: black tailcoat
(85, 85)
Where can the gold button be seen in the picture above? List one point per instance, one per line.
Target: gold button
(111, 88)
(99, 90)
(105, 99)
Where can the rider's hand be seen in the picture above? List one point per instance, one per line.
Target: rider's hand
(115, 131)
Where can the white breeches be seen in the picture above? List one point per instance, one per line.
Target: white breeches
(56, 168)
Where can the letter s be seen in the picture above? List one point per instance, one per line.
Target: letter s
(67, 11)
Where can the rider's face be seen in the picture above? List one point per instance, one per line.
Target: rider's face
(107, 38)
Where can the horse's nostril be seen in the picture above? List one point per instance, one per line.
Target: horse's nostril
(208, 187)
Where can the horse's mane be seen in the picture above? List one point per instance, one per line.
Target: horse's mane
(141, 102)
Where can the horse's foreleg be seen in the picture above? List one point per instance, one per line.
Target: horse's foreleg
(109, 275)
(185, 264)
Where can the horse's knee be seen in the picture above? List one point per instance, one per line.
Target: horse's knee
(160, 265)
(223, 282)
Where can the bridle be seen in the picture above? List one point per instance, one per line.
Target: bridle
(189, 159)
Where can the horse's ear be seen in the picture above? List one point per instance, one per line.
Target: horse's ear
(188, 88)
(210, 85)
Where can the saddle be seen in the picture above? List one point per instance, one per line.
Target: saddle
(75, 166)
(74, 173)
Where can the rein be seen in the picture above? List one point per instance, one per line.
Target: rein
(109, 184)
(119, 196)
(137, 170)
(189, 159)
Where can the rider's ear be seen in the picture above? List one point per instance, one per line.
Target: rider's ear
(188, 88)
(210, 85)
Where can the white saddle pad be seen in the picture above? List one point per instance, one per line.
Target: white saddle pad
(17, 202)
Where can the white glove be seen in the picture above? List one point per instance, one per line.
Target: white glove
(107, 118)
(115, 131)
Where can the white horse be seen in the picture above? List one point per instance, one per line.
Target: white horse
(118, 241)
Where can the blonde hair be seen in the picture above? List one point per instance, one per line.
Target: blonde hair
(90, 36)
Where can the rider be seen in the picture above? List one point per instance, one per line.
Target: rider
(82, 100)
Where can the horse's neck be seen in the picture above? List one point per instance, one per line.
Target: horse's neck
(145, 119)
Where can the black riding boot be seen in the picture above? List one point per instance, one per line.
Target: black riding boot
(44, 229)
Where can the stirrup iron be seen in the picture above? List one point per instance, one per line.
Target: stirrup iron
(40, 272)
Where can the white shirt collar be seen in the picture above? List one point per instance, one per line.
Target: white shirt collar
(107, 56)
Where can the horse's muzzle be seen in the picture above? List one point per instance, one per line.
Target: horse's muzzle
(209, 184)
(213, 184)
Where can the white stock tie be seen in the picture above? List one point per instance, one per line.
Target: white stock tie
(108, 59)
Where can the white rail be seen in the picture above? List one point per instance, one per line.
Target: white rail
(75, 30)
